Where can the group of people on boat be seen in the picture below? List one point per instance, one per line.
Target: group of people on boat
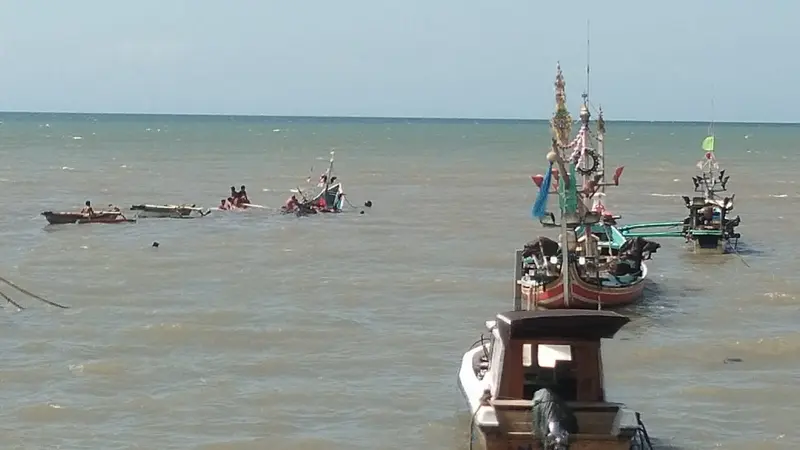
(237, 199)
(89, 211)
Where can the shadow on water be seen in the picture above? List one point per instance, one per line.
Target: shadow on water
(660, 307)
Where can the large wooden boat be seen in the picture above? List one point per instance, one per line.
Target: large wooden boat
(592, 265)
(707, 228)
(168, 211)
(61, 218)
(536, 382)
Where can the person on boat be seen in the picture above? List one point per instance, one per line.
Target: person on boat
(87, 209)
(113, 208)
(291, 204)
(232, 203)
(243, 196)
(223, 204)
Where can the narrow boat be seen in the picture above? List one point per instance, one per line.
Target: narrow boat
(169, 211)
(592, 265)
(536, 382)
(707, 228)
(61, 218)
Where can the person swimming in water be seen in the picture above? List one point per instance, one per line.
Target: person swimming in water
(291, 204)
(223, 204)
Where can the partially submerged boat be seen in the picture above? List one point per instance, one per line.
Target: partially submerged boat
(708, 227)
(184, 211)
(61, 218)
(592, 265)
(329, 199)
(536, 382)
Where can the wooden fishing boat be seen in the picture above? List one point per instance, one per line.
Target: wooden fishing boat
(169, 211)
(329, 199)
(592, 265)
(536, 382)
(61, 218)
(708, 227)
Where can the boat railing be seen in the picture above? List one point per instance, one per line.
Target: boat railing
(597, 421)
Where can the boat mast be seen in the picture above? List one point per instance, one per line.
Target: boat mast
(561, 126)
(328, 181)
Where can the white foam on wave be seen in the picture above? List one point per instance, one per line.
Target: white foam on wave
(778, 195)
(665, 195)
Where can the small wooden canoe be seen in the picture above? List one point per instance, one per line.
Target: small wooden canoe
(60, 218)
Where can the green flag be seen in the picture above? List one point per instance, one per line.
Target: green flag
(708, 144)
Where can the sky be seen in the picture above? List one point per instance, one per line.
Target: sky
(726, 60)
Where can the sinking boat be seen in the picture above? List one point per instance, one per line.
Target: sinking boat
(535, 381)
(169, 211)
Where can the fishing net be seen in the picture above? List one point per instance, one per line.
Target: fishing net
(548, 407)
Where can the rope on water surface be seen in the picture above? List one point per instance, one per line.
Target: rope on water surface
(29, 293)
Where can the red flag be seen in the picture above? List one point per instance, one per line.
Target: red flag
(617, 174)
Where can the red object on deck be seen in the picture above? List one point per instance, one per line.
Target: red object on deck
(537, 179)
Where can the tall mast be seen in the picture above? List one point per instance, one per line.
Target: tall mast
(601, 151)
(561, 125)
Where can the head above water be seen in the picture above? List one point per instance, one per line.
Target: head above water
(88, 203)
(222, 201)
(242, 188)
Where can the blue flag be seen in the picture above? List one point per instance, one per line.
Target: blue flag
(540, 205)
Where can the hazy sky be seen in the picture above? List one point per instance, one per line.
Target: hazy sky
(430, 58)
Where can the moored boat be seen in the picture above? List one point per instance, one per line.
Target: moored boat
(708, 227)
(169, 211)
(61, 218)
(592, 265)
(536, 382)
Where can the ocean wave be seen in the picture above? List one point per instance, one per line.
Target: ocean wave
(665, 195)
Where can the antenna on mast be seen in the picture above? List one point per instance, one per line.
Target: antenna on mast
(586, 92)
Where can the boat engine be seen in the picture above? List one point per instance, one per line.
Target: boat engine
(553, 421)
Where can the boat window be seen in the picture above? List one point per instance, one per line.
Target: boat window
(527, 358)
(549, 354)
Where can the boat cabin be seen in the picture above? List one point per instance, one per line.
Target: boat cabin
(559, 350)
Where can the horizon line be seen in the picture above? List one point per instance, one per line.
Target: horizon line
(393, 118)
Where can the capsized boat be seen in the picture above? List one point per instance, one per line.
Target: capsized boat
(536, 382)
(600, 267)
(708, 227)
(61, 218)
(184, 211)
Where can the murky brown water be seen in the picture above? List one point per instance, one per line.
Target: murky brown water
(251, 331)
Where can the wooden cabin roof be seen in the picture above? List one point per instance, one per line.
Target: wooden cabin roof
(560, 324)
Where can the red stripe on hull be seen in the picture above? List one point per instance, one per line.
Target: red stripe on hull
(584, 295)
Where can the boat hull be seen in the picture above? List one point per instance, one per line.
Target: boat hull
(166, 211)
(583, 295)
(63, 218)
(708, 244)
(331, 198)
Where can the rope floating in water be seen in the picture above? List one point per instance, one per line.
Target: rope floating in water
(29, 293)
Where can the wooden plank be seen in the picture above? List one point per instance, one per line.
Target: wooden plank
(517, 277)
